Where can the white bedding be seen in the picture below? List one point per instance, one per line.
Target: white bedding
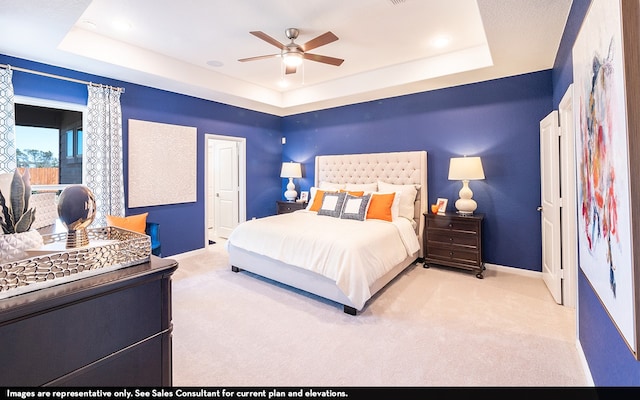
(352, 253)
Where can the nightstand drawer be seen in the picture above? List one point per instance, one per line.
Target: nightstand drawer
(454, 254)
(452, 237)
(453, 224)
(284, 207)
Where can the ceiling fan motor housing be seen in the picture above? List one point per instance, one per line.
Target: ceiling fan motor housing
(292, 33)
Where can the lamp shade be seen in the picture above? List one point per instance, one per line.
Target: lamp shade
(465, 169)
(291, 170)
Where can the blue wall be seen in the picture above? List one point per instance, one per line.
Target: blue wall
(182, 225)
(496, 120)
(610, 360)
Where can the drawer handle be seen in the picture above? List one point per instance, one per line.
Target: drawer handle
(450, 225)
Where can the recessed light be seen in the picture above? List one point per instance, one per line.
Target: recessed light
(122, 25)
(215, 63)
(440, 41)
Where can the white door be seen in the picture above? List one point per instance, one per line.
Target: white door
(226, 187)
(551, 204)
(569, 212)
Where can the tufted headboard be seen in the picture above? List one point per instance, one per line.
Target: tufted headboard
(401, 168)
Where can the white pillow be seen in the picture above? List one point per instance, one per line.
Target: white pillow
(365, 187)
(407, 197)
(324, 185)
(312, 194)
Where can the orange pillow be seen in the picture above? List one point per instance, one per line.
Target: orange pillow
(357, 193)
(135, 223)
(317, 199)
(380, 206)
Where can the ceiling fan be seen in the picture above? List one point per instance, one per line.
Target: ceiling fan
(292, 54)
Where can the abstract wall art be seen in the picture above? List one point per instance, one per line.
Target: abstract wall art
(605, 229)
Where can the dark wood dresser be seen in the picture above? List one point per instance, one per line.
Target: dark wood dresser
(454, 240)
(283, 207)
(111, 329)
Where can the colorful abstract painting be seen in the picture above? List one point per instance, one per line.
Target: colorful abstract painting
(604, 241)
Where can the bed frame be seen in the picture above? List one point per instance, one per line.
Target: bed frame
(397, 168)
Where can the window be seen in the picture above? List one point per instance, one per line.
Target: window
(49, 141)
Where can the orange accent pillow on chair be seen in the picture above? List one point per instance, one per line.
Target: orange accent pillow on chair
(135, 223)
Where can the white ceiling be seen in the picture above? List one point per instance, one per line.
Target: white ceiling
(193, 46)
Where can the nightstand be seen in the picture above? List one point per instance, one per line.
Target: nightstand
(454, 240)
(283, 207)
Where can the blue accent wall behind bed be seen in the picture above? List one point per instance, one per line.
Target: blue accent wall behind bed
(497, 120)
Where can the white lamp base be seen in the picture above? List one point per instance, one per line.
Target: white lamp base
(465, 204)
(291, 193)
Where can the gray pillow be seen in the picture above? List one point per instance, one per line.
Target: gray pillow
(332, 204)
(355, 207)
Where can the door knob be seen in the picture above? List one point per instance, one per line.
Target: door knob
(539, 208)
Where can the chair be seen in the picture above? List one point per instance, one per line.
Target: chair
(153, 230)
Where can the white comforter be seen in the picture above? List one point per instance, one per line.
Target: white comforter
(352, 253)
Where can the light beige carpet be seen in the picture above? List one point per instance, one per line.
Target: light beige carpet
(429, 327)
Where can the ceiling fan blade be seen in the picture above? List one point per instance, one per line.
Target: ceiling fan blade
(268, 39)
(259, 57)
(323, 59)
(290, 69)
(321, 40)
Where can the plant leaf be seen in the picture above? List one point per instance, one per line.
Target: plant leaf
(25, 222)
(17, 196)
(6, 217)
(26, 178)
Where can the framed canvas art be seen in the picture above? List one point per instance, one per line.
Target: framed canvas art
(605, 73)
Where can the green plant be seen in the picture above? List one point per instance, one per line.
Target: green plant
(17, 217)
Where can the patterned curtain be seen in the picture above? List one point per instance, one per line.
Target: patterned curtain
(103, 169)
(7, 123)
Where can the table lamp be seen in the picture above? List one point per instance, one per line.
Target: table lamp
(291, 170)
(465, 169)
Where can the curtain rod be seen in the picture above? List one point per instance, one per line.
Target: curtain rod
(64, 78)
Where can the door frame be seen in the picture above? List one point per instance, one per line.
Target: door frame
(242, 178)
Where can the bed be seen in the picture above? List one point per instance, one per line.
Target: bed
(339, 254)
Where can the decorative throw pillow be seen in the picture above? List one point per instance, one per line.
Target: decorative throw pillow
(332, 204)
(353, 192)
(407, 197)
(355, 207)
(317, 197)
(380, 206)
(135, 223)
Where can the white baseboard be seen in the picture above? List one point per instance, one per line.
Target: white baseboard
(514, 270)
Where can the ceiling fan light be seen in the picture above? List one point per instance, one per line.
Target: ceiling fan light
(292, 59)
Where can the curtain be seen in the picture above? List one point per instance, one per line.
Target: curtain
(7, 123)
(103, 169)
